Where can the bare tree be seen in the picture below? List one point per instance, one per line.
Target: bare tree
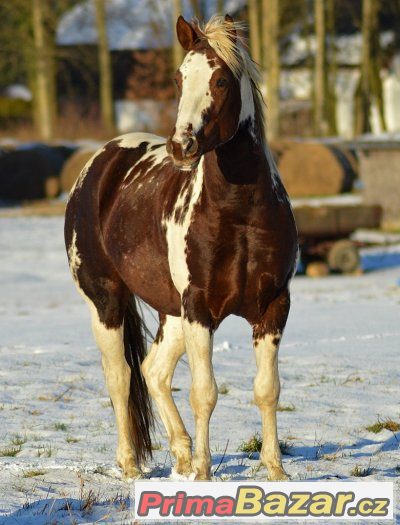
(370, 85)
(271, 62)
(332, 66)
(177, 51)
(324, 84)
(42, 81)
(106, 95)
(253, 8)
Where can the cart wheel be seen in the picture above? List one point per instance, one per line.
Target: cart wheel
(343, 256)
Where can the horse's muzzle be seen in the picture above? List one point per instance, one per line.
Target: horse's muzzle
(185, 152)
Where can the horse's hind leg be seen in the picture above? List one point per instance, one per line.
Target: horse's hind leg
(158, 369)
(117, 374)
(266, 339)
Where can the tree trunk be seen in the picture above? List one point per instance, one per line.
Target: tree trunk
(254, 27)
(370, 85)
(321, 94)
(271, 62)
(177, 51)
(104, 55)
(332, 67)
(42, 74)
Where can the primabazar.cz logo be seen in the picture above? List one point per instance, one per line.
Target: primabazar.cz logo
(263, 501)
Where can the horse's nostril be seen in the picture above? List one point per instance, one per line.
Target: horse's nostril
(190, 146)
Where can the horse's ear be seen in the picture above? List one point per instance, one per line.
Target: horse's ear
(185, 33)
(232, 32)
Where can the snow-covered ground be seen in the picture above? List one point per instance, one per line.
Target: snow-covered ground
(339, 363)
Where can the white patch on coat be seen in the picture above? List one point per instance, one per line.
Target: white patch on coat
(176, 232)
(155, 157)
(133, 140)
(73, 256)
(196, 71)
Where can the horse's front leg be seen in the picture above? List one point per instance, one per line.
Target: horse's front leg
(203, 393)
(158, 369)
(266, 339)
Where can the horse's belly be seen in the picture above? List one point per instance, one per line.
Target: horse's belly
(147, 275)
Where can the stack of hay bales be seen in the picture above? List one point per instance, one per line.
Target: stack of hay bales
(74, 166)
(311, 169)
(31, 172)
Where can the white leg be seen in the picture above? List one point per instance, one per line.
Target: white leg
(118, 375)
(266, 395)
(158, 369)
(203, 393)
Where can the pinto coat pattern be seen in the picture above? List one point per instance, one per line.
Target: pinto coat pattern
(198, 226)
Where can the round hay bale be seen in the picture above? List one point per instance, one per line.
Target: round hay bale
(24, 173)
(312, 169)
(74, 166)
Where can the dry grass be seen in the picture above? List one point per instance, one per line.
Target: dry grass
(72, 126)
(44, 451)
(387, 424)
(223, 389)
(60, 427)
(254, 445)
(360, 472)
(33, 473)
(17, 440)
(285, 447)
(10, 452)
(286, 408)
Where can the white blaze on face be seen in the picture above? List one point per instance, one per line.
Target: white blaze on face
(196, 71)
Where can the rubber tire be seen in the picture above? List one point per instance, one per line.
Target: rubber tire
(343, 256)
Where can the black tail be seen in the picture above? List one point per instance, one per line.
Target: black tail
(140, 410)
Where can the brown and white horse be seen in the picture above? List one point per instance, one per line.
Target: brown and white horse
(199, 227)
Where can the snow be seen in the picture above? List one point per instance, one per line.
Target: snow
(339, 365)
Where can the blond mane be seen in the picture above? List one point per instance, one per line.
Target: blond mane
(219, 34)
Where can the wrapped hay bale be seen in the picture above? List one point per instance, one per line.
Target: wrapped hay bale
(74, 166)
(31, 172)
(313, 169)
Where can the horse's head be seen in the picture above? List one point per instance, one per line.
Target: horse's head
(210, 95)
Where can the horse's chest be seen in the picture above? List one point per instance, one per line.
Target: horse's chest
(177, 223)
(236, 268)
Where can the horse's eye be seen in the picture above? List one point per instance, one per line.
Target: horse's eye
(221, 82)
(176, 81)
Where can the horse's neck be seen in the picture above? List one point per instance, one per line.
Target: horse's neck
(242, 161)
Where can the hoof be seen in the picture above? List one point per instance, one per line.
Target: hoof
(177, 476)
(277, 474)
(130, 471)
(202, 476)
